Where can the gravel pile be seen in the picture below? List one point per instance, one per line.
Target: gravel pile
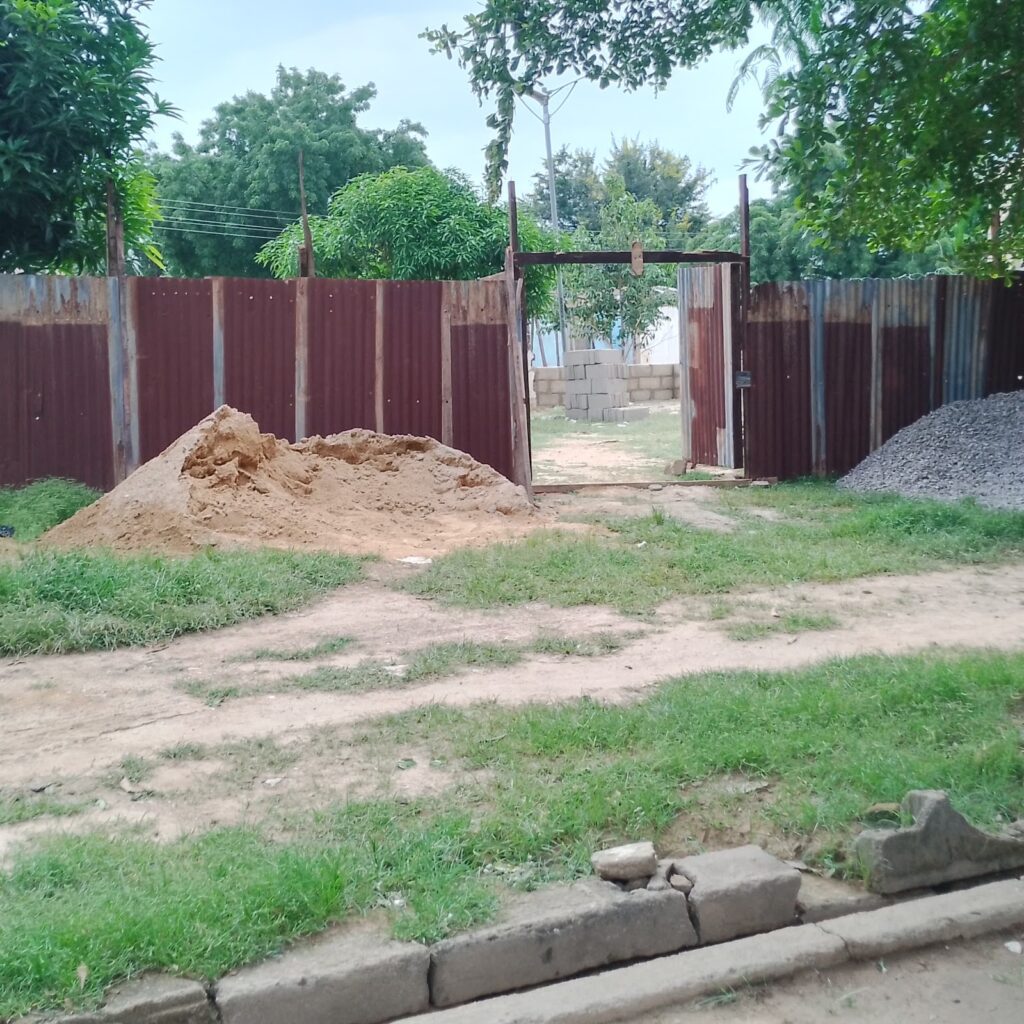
(971, 449)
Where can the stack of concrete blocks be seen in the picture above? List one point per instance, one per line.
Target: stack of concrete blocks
(653, 382)
(597, 387)
(550, 387)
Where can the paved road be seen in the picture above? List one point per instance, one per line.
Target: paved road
(980, 982)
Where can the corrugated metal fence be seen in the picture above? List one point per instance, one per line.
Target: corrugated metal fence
(96, 382)
(837, 367)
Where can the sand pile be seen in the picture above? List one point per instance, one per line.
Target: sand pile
(225, 484)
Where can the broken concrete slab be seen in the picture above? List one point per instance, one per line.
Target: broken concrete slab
(954, 915)
(625, 863)
(556, 933)
(149, 999)
(640, 989)
(352, 978)
(739, 892)
(941, 846)
(822, 899)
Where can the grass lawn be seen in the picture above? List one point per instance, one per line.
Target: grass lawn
(53, 602)
(557, 782)
(786, 534)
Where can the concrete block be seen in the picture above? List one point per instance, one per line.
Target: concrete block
(576, 356)
(740, 892)
(576, 372)
(638, 991)
(953, 915)
(822, 899)
(606, 371)
(556, 933)
(598, 403)
(626, 414)
(577, 401)
(663, 394)
(150, 999)
(577, 414)
(941, 846)
(606, 355)
(636, 370)
(650, 383)
(347, 979)
(640, 395)
(624, 863)
(579, 387)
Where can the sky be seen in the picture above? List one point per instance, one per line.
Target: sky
(211, 50)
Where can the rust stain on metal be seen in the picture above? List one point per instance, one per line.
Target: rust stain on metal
(174, 321)
(342, 356)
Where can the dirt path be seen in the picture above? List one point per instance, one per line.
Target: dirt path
(69, 720)
(961, 984)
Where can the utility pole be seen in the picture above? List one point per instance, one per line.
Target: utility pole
(544, 100)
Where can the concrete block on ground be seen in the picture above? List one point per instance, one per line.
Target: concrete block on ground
(954, 915)
(579, 387)
(576, 372)
(822, 899)
(598, 403)
(556, 933)
(650, 383)
(577, 414)
(663, 395)
(640, 395)
(941, 846)
(637, 370)
(626, 414)
(624, 863)
(150, 999)
(739, 892)
(637, 991)
(577, 401)
(355, 978)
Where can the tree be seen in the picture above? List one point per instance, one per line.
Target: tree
(648, 172)
(606, 301)
(411, 225)
(238, 187)
(923, 97)
(783, 249)
(75, 102)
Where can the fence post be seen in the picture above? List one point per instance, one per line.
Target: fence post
(447, 424)
(301, 356)
(378, 359)
(122, 372)
(219, 385)
(520, 427)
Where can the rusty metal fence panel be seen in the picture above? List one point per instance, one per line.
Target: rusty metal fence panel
(101, 375)
(837, 367)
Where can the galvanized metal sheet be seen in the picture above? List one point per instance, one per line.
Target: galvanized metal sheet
(907, 338)
(777, 354)
(14, 417)
(67, 402)
(173, 321)
(412, 358)
(259, 351)
(340, 361)
(481, 401)
(1006, 342)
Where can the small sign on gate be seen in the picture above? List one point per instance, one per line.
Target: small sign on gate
(741, 379)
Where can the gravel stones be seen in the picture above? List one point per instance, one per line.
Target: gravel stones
(970, 449)
(625, 863)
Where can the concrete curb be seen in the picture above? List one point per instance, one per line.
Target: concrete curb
(642, 988)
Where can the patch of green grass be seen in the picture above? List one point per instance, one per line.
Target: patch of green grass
(210, 693)
(134, 769)
(834, 739)
(792, 622)
(184, 752)
(15, 809)
(37, 507)
(825, 535)
(56, 601)
(449, 659)
(335, 645)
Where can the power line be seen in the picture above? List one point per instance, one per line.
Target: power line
(221, 225)
(231, 206)
(222, 234)
(257, 220)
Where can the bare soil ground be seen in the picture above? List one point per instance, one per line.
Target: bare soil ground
(961, 984)
(70, 720)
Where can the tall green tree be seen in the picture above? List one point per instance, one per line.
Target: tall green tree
(922, 96)
(412, 225)
(76, 100)
(606, 302)
(648, 171)
(783, 249)
(238, 186)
